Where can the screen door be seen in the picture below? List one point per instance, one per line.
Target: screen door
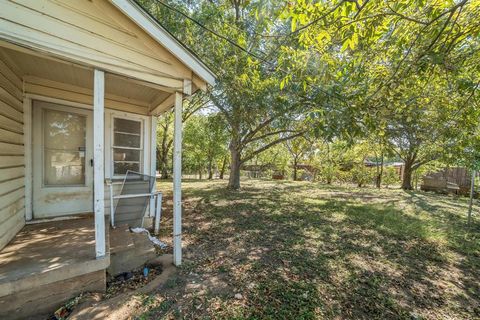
(62, 165)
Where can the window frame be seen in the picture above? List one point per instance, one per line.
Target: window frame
(113, 146)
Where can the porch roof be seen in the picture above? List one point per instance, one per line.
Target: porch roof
(115, 36)
(151, 25)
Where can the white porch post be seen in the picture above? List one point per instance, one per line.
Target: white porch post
(27, 142)
(98, 161)
(177, 181)
(153, 160)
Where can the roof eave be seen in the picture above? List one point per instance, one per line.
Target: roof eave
(135, 12)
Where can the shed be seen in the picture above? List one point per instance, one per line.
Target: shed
(448, 180)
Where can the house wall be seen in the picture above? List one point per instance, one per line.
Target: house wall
(12, 160)
(59, 93)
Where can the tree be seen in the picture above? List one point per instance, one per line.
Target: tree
(391, 176)
(258, 110)
(259, 116)
(165, 132)
(205, 140)
(404, 68)
(327, 159)
(216, 142)
(299, 148)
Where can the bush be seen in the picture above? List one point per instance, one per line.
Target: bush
(390, 176)
(362, 175)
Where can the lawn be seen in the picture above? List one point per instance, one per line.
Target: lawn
(299, 250)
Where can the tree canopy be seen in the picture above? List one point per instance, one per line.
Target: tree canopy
(404, 74)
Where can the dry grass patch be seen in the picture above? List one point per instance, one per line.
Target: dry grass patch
(297, 250)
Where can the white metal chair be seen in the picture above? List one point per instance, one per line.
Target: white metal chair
(131, 203)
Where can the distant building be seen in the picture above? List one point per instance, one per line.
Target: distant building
(448, 180)
(398, 165)
(258, 170)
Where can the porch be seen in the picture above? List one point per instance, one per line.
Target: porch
(46, 264)
(81, 86)
(47, 255)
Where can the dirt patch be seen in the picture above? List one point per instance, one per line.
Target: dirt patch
(130, 281)
(124, 296)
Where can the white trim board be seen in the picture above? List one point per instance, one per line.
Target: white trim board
(147, 23)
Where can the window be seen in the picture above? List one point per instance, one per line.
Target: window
(127, 146)
(64, 148)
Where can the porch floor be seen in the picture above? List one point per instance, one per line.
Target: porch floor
(43, 247)
(46, 264)
(47, 252)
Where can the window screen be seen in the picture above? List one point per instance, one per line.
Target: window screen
(127, 146)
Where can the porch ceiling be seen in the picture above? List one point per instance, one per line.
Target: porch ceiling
(34, 68)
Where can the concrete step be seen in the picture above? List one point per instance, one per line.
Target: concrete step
(128, 250)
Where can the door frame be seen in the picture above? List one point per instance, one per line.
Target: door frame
(28, 142)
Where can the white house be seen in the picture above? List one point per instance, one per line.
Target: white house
(81, 85)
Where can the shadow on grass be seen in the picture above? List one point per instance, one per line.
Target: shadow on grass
(293, 257)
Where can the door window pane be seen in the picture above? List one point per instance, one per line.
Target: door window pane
(127, 146)
(64, 148)
(126, 155)
(127, 140)
(127, 126)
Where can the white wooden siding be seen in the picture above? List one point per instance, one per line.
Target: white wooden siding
(96, 33)
(12, 170)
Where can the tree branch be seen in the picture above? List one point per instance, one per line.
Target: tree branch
(270, 134)
(254, 153)
(262, 125)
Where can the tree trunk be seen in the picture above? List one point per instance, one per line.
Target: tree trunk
(210, 170)
(295, 169)
(407, 175)
(329, 179)
(165, 167)
(163, 150)
(379, 173)
(416, 179)
(235, 164)
(224, 164)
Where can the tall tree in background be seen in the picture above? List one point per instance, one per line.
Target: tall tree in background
(205, 142)
(299, 149)
(258, 110)
(216, 142)
(165, 134)
(408, 68)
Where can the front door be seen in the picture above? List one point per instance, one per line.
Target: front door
(62, 153)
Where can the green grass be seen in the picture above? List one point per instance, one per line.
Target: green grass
(297, 250)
